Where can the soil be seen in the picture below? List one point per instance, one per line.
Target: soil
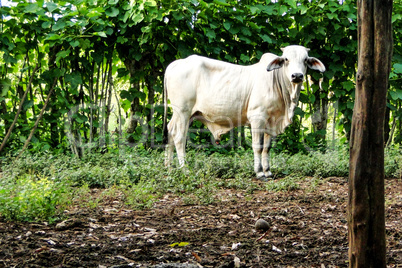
(308, 228)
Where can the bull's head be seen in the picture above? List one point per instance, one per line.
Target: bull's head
(295, 61)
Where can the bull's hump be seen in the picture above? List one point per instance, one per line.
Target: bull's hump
(267, 58)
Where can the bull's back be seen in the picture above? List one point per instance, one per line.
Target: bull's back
(207, 85)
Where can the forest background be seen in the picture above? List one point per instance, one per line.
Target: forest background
(82, 76)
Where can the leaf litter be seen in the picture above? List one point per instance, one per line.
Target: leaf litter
(308, 228)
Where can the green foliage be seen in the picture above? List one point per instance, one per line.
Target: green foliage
(329, 163)
(30, 198)
(108, 57)
(284, 185)
(393, 162)
(40, 187)
(139, 195)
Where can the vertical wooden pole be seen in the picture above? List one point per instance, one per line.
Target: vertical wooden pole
(366, 217)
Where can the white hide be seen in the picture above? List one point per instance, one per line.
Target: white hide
(224, 95)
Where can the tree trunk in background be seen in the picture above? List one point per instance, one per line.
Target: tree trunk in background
(135, 103)
(108, 97)
(3, 111)
(366, 219)
(319, 117)
(54, 128)
(133, 119)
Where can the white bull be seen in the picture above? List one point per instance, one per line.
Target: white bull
(223, 95)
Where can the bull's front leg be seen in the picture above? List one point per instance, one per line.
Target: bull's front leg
(265, 155)
(257, 134)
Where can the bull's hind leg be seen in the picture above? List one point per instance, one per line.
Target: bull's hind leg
(169, 150)
(265, 155)
(257, 134)
(178, 128)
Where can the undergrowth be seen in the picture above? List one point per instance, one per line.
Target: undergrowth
(40, 187)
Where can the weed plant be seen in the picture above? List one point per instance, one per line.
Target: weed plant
(330, 163)
(38, 187)
(30, 198)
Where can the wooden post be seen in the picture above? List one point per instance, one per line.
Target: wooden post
(366, 217)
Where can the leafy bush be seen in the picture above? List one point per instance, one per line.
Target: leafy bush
(286, 184)
(316, 163)
(393, 162)
(33, 199)
(140, 195)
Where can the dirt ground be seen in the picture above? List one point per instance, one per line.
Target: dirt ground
(307, 229)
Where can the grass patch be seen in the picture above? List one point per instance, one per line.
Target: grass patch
(286, 184)
(39, 187)
(33, 199)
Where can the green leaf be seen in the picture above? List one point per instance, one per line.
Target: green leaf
(79, 118)
(109, 31)
(266, 38)
(137, 18)
(95, 12)
(32, 8)
(227, 25)
(74, 79)
(180, 244)
(151, 3)
(303, 9)
(126, 16)
(398, 68)
(348, 85)
(51, 6)
(321, 30)
(46, 24)
(122, 40)
(396, 17)
(126, 104)
(269, 10)
(63, 54)
(254, 10)
(222, 3)
(210, 34)
(396, 95)
(112, 12)
(332, 16)
(60, 24)
(246, 31)
(141, 95)
(5, 85)
(311, 98)
(124, 94)
(85, 43)
(292, 3)
(350, 105)
(283, 9)
(244, 58)
(101, 34)
(75, 43)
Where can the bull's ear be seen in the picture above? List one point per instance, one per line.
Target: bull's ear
(275, 64)
(315, 64)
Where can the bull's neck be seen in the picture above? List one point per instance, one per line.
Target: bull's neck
(290, 93)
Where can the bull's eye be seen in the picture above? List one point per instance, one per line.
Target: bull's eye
(286, 59)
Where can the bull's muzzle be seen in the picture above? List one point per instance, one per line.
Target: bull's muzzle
(297, 77)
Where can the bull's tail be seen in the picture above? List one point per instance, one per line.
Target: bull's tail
(165, 103)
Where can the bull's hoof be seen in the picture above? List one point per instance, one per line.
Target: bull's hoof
(263, 179)
(269, 174)
(261, 176)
